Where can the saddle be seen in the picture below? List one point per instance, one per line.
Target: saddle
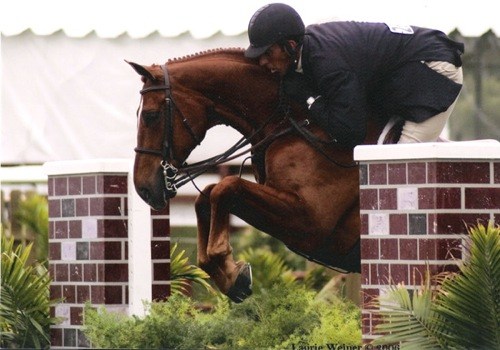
(392, 132)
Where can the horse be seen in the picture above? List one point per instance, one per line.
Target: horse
(306, 192)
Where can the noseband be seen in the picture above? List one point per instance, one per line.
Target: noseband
(166, 151)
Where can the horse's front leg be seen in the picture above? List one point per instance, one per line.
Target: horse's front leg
(276, 212)
(202, 208)
(217, 267)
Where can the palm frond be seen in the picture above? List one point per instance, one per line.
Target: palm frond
(182, 273)
(24, 303)
(462, 312)
(469, 303)
(408, 317)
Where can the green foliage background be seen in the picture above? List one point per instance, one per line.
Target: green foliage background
(469, 123)
(274, 319)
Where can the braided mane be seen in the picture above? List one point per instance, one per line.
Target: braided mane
(229, 51)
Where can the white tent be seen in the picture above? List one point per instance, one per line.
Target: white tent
(67, 93)
(76, 98)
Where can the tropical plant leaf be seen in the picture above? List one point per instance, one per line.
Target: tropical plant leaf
(269, 268)
(408, 317)
(461, 312)
(182, 273)
(24, 303)
(469, 302)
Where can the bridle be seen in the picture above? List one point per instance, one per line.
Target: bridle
(166, 152)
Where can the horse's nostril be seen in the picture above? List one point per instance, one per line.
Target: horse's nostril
(144, 193)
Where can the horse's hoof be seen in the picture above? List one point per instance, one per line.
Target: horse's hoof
(242, 287)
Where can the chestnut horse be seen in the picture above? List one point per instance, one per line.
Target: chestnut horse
(306, 190)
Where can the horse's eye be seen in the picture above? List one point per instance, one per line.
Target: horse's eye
(150, 117)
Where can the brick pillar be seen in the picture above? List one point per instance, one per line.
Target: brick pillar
(415, 202)
(89, 240)
(160, 254)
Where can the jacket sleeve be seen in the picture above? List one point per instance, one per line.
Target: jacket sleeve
(341, 110)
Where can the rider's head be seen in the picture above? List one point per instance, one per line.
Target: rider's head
(275, 27)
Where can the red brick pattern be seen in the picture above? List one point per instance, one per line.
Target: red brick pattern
(160, 253)
(414, 214)
(88, 249)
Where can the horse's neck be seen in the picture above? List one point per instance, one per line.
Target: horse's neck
(243, 95)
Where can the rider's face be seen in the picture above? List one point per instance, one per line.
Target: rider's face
(276, 60)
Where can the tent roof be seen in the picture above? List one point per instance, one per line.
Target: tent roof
(203, 19)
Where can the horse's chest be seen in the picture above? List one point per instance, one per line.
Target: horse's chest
(293, 164)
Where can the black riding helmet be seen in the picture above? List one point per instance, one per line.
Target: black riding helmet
(272, 24)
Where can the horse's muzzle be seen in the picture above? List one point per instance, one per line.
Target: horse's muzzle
(169, 193)
(160, 189)
(157, 200)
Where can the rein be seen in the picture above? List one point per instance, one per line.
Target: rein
(202, 166)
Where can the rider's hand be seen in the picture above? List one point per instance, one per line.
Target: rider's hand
(298, 87)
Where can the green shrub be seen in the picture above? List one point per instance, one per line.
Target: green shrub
(276, 318)
(281, 312)
(275, 315)
(111, 330)
(340, 323)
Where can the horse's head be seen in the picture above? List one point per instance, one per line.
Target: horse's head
(158, 153)
(181, 103)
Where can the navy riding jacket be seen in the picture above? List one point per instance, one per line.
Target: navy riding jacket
(371, 69)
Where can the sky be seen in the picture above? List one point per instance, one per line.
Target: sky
(110, 18)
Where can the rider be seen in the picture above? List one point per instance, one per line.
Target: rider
(344, 71)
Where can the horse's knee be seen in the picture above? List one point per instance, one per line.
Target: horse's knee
(219, 252)
(202, 202)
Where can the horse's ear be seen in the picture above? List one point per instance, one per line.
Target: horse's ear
(141, 70)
